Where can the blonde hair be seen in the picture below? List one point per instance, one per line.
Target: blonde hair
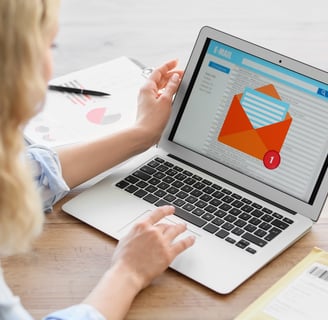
(25, 28)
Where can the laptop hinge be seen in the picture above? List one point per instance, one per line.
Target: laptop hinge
(232, 184)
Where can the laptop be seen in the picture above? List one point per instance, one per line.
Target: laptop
(243, 159)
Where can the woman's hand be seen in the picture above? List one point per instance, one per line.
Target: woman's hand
(155, 100)
(149, 248)
(144, 253)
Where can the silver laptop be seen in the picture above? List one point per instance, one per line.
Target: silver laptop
(243, 159)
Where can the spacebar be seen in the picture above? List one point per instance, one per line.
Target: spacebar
(183, 214)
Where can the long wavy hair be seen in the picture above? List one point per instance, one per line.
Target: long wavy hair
(25, 26)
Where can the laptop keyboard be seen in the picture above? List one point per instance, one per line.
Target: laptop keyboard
(216, 209)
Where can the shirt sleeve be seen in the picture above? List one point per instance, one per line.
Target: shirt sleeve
(78, 312)
(47, 174)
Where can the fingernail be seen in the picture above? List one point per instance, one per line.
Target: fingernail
(175, 77)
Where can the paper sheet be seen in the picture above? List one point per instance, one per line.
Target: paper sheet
(69, 118)
(301, 294)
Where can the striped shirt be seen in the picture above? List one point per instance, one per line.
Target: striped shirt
(52, 187)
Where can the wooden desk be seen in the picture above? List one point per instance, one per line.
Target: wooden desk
(70, 257)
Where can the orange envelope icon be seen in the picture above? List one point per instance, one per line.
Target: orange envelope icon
(238, 132)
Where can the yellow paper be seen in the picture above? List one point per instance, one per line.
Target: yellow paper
(301, 294)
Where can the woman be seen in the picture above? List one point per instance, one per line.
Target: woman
(27, 29)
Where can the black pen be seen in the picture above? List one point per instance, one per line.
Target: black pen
(77, 90)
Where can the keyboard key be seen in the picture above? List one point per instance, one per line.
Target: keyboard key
(230, 218)
(182, 194)
(211, 228)
(230, 240)
(237, 231)
(210, 208)
(188, 207)
(131, 189)
(218, 194)
(235, 211)
(122, 184)
(267, 218)
(196, 193)
(153, 164)
(189, 181)
(247, 201)
(189, 217)
(289, 221)
(191, 199)
(148, 170)
(208, 190)
(218, 221)
(237, 204)
(142, 184)
(227, 199)
(160, 193)
(172, 190)
(226, 191)
(140, 193)
(280, 224)
(205, 197)
(179, 202)
(256, 205)
(162, 168)
(207, 216)
(151, 198)
(277, 215)
(132, 179)
(198, 212)
(222, 233)
(151, 189)
(250, 228)
(242, 244)
(177, 184)
(240, 223)
(272, 233)
(225, 206)
(251, 250)
(201, 204)
(169, 198)
(256, 240)
(255, 221)
(257, 213)
(227, 226)
(247, 208)
(220, 213)
(142, 175)
(260, 233)
(265, 226)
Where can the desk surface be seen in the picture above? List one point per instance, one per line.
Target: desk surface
(70, 257)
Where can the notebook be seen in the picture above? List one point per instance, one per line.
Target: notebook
(243, 159)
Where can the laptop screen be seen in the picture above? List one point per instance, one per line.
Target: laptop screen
(257, 118)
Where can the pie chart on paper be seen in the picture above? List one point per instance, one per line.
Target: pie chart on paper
(101, 116)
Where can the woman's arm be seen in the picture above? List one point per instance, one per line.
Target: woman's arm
(84, 161)
(140, 256)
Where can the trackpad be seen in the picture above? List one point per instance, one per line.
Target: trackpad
(168, 220)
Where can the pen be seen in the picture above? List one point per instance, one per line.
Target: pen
(77, 90)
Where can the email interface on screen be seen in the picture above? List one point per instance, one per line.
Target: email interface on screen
(258, 118)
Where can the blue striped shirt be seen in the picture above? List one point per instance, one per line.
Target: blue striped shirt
(52, 187)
